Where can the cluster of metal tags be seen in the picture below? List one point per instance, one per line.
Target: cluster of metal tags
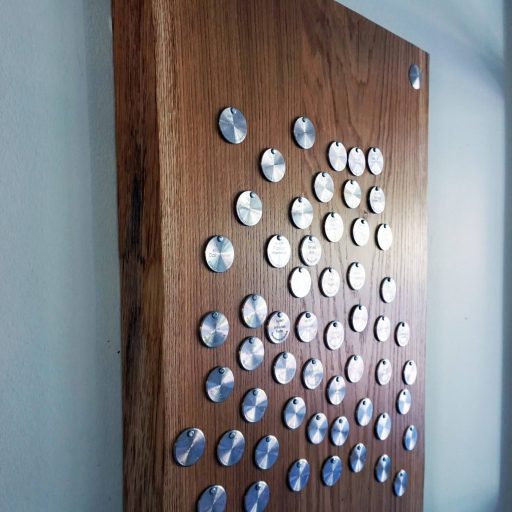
(214, 329)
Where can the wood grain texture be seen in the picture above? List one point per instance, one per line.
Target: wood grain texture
(177, 64)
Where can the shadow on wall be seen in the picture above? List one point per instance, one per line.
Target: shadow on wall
(505, 502)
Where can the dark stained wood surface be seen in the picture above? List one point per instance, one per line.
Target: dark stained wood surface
(177, 64)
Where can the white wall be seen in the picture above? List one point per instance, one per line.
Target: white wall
(60, 391)
(465, 39)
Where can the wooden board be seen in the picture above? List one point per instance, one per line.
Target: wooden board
(177, 64)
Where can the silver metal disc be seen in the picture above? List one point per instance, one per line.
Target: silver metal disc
(232, 125)
(359, 318)
(410, 438)
(189, 446)
(336, 390)
(383, 468)
(404, 401)
(337, 155)
(278, 251)
(254, 311)
(364, 412)
(360, 232)
(340, 429)
(254, 405)
(375, 161)
(307, 327)
(278, 327)
(304, 132)
(284, 368)
(377, 200)
(357, 458)
(257, 497)
(294, 412)
(266, 452)
(382, 328)
(249, 208)
(352, 194)
(415, 76)
(384, 237)
(298, 475)
(410, 372)
(213, 499)
(220, 384)
(383, 426)
(310, 250)
(219, 253)
(356, 161)
(301, 212)
(300, 282)
(331, 470)
(334, 335)
(312, 373)
(231, 447)
(323, 187)
(388, 289)
(384, 372)
(402, 334)
(317, 428)
(272, 165)
(251, 353)
(355, 368)
(356, 276)
(214, 329)
(400, 483)
(330, 282)
(333, 227)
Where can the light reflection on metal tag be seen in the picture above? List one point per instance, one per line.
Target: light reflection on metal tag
(334, 335)
(323, 187)
(232, 125)
(410, 372)
(254, 405)
(214, 329)
(377, 200)
(383, 468)
(340, 429)
(402, 334)
(356, 161)
(300, 282)
(333, 227)
(410, 438)
(355, 368)
(213, 499)
(220, 384)
(307, 327)
(330, 282)
(388, 289)
(310, 250)
(360, 232)
(331, 470)
(304, 132)
(230, 448)
(272, 165)
(294, 412)
(257, 497)
(337, 155)
(278, 251)
(301, 213)
(375, 161)
(317, 428)
(312, 373)
(278, 327)
(254, 311)
(384, 372)
(336, 390)
(382, 328)
(364, 412)
(357, 457)
(404, 401)
(266, 452)
(219, 253)
(251, 353)
(400, 483)
(383, 426)
(285, 366)
(384, 237)
(189, 446)
(359, 318)
(356, 276)
(298, 475)
(249, 208)
(352, 194)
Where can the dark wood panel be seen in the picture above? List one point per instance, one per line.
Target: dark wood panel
(178, 63)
